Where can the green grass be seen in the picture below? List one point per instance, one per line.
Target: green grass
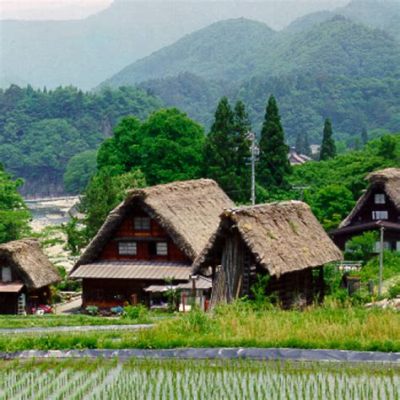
(32, 321)
(177, 379)
(239, 326)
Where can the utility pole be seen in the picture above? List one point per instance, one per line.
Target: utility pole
(381, 263)
(252, 137)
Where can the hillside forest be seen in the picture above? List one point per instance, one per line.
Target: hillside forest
(328, 81)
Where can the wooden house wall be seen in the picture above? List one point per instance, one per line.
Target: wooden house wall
(106, 293)
(238, 272)
(126, 232)
(364, 215)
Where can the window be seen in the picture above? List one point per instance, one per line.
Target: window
(397, 246)
(141, 223)
(377, 247)
(162, 249)
(380, 198)
(6, 274)
(127, 248)
(379, 215)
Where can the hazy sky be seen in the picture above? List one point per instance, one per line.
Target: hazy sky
(50, 9)
(72, 9)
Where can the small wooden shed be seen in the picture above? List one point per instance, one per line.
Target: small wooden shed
(25, 276)
(283, 240)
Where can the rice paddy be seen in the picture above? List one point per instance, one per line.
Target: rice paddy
(173, 379)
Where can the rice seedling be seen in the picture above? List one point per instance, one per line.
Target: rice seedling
(174, 379)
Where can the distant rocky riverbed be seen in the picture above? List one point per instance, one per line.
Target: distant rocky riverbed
(50, 211)
(47, 216)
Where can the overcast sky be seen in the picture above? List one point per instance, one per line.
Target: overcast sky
(73, 9)
(50, 9)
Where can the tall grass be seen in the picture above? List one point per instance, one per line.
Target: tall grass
(238, 325)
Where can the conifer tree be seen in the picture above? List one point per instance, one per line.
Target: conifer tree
(219, 148)
(273, 166)
(242, 127)
(328, 147)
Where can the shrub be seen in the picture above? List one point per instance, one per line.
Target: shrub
(394, 291)
(92, 310)
(138, 312)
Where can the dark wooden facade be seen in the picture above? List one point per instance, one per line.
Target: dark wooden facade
(371, 216)
(239, 272)
(145, 241)
(9, 299)
(107, 293)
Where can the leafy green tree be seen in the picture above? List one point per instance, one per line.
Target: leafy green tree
(273, 167)
(387, 147)
(361, 248)
(328, 147)
(115, 153)
(104, 192)
(171, 147)
(166, 147)
(14, 215)
(80, 169)
(330, 204)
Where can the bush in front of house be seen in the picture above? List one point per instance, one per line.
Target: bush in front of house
(138, 312)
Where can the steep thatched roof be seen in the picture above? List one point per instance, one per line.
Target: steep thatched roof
(283, 237)
(188, 211)
(389, 180)
(30, 262)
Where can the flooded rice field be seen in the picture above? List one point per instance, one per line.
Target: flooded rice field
(141, 379)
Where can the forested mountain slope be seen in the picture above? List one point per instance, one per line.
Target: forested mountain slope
(337, 68)
(224, 50)
(41, 130)
(86, 52)
(384, 15)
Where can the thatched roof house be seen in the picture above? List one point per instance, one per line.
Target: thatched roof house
(30, 263)
(24, 270)
(178, 217)
(279, 239)
(379, 206)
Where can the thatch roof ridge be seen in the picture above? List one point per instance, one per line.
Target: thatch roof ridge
(187, 210)
(31, 263)
(389, 178)
(283, 237)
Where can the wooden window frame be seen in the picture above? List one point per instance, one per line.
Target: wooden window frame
(139, 225)
(379, 198)
(127, 252)
(381, 217)
(164, 249)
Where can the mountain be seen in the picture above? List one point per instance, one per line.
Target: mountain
(86, 52)
(337, 68)
(223, 50)
(384, 15)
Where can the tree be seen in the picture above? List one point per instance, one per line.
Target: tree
(387, 147)
(170, 148)
(14, 215)
(328, 147)
(166, 147)
(242, 127)
(80, 169)
(331, 204)
(273, 166)
(104, 192)
(219, 149)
